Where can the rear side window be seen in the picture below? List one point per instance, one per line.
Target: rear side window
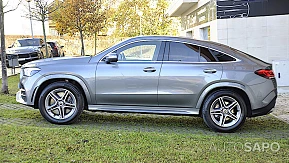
(183, 52)
(221, 57)
(206, 55)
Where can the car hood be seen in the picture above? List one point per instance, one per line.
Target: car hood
(21, 50)
(58, 61)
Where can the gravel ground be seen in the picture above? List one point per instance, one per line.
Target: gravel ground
(281, 109)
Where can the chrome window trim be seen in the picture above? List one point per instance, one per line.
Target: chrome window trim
(236, 59)
(199, 62)
(102, 59)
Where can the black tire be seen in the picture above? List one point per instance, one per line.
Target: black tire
(65, 109)
(220, 115)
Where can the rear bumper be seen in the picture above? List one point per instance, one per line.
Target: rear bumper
(264, 110)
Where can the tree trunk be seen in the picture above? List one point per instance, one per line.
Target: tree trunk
(82, 43)
(4, 88)
(44, 35)
(95, 34)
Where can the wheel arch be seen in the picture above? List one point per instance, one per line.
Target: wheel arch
(236, 87)
(56, 78)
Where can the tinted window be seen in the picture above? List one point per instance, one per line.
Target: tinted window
(206, 56)
(52, 44)
(221, 57)
(183, 52)
(27, 42)
(141, 51)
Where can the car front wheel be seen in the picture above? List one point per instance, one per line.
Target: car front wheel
(61, 103)
(224, 111)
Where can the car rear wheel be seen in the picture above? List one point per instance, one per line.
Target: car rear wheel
(61, 103)
(224, 111)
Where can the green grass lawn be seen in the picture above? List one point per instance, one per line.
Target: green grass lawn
(13, 88)
(102, 137)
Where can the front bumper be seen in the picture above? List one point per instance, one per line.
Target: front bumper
(27, 87)
(25, 60)
(21, 97)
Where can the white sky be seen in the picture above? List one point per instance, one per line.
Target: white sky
(17, 24)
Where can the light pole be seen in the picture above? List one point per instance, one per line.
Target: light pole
(30, 17)
(140, 13)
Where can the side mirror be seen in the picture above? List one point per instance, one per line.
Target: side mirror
(111, 57)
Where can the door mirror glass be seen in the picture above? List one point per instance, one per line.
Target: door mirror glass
(111, 57)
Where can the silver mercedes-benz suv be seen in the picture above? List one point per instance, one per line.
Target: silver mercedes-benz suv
(153, 74)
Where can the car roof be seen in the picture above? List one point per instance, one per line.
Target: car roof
(209, 44)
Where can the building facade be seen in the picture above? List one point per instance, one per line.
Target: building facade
(257, 27)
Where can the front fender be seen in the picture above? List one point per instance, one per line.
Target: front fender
(48, 77)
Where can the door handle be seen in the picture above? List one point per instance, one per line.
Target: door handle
(211, 71)
(149, 69)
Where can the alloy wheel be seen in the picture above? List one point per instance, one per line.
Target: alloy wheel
(225, 111)
(60, 103)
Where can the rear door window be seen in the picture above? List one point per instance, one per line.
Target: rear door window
(183, 52)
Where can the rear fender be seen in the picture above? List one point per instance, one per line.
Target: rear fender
(220, 85)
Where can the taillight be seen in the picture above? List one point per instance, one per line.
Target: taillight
(266, 73)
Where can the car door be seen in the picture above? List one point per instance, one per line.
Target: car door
(186, 70)
(133, 79)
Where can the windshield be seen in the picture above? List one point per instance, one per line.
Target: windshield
(27, 42)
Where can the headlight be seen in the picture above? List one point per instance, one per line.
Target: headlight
(37, 49)
(30, 71)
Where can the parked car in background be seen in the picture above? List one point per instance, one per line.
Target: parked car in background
(29, 49)
(157, 75)
(57, 50)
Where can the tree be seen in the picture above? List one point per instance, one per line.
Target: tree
(153, 19)
(40, 12)
(4, 88)
(76, 17)
(99, 20)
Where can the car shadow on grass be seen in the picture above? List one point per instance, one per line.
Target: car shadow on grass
(263, 127)
(259, 127)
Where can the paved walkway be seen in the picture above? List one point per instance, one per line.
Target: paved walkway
(281, 109)
(9, 71)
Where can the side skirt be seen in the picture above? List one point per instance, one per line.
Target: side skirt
(144, 109)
